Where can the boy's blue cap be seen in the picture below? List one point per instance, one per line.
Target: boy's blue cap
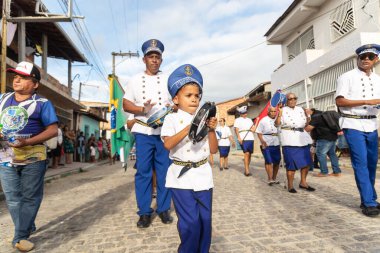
(182, 75)
(369, 48)
(152, 45)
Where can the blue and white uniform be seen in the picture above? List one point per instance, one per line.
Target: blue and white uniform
(267, 128)
(223, 134)
(191, 191)
(150, 152)
(294, 139)
(244, 126)
(361, 133)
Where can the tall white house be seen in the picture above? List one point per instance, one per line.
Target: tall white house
(318, 40)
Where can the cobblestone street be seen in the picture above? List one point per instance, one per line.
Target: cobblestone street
(95, 211)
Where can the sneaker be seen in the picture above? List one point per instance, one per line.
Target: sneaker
(370, 211)
(24, 246)
(144, 221)
(335, 174)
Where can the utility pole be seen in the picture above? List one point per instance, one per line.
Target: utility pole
(85, 84)
(6, 10)
(122, 55)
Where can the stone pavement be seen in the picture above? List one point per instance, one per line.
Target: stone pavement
(95, 211)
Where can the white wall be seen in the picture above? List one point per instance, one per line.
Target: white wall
(327, 53)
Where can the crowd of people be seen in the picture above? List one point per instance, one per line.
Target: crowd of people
(180, 162)
(73, 146)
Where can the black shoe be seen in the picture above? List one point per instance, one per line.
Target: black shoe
(144, 221)
(308, 188)
(165, 217)
(221, 169)
(362, 206)
(226, 168)
(370, 211)
(247, 175)
(292, 190)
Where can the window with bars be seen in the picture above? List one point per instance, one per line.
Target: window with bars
(299, 90)
(303, 42)
(342, 20)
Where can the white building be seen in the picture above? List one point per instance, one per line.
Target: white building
(318, 40)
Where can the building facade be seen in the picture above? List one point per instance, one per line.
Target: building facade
(255, 100)
(318, 40)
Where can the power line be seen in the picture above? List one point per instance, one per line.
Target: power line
(125, 24)
(114, 24)
(137, 24)
(258, 44)
(87, 44)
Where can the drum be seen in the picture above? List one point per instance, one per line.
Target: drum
(157, 119)
(198, 127)
(278, 98)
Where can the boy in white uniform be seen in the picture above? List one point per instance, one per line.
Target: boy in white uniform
(191, 190)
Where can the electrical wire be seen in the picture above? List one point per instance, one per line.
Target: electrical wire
(114, 24)
(260, 43)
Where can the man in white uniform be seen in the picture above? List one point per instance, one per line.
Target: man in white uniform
(145, 94)
(357, 96)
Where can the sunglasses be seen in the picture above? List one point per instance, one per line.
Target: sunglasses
(295, 98)
(371, 57)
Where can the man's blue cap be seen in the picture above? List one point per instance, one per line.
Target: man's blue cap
(152, 45)
(183, 75)
(369, 48)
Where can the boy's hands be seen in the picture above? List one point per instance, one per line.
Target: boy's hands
(212, 123)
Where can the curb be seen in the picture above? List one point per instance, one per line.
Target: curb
(65, 173)
(73, 171)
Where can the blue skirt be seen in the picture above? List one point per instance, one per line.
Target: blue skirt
(224, 151)
(271, 154)
(296, 157)
(247, 146)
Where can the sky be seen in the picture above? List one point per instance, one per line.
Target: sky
(223, 39)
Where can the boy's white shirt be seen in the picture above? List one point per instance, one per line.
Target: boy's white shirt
(197, 179)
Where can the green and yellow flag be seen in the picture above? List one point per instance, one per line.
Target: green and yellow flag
(121, 139)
